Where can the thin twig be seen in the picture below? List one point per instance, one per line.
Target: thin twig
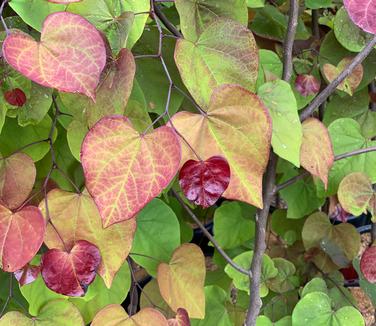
(2, 18)
(166, 22)
(329, 90)
(269, 183)
(132, 308)
(209, 236)
(337, 158)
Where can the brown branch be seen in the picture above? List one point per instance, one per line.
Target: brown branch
(208, 235)
(330, 89)
(337, 158)
(269, 182)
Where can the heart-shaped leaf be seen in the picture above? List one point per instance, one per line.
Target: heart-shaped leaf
(203, 182)
(368, 264)
(58, 312)
(27, 274)
(21, 235)
(181, 282)
(362, 13)
(181, 319)
(316, 152)
(231, 58)
(356, 195)
(15, 97)
(70, 273)
(307, 85)
(75, 216)
(215, 134)
(115, 314)
(17, 176)
(350, 84)
(125, 170)
(70, 55)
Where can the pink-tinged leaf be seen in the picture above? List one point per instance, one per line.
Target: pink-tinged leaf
(17, 177)
(21, 236)
(203, 182)
(115, 315)
(181, 282)
(27, 274)
(70, 273)
(350, 84)
(70, 56)
(76, 217)
(235, 116)
(15, 97)
(368, 264)
(125, 170)
(339, 214)
(316, 152)
(181, 319)
(356, 195)
(307, 85)
(362, 13)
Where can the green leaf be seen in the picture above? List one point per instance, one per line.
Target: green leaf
(13, 137)
(215, 310)
(285, 227)
(225, 53)
(157, 236)
(287, 129)
(241, 281)
(285, 280)
(347, 136)
(281, 305)
(315, 309)
(316, 4)
(197, 15)
(237, 217)
(317, 284)
(270, 23)
(116, 19)
(34, 12)
(255, 3)
(270, 66)
(350, 36)
(265, 321)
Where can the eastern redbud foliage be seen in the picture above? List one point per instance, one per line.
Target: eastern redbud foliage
(130, 130)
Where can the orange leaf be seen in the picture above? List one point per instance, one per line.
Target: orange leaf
(181, 282)
(115, 315)
(21, 235)
(316, 152)
(76, 217)
(17, 176)
(238, 127)
(125, 170)
(70, 55)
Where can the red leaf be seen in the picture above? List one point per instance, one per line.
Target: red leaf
(70, 55)
(205, 181)
(21, 235)
(71, 273)
(181, 319)
(307, 85)
(15, 97)
(27, 274)
(362, 13)
(368, 264)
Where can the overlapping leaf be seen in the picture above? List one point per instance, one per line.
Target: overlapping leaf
(27, 274)
(76, 217)
(196, 15)
(125, 170)
(363, 13)
(56, 312)
(70, 273)
(181, 282)
(17, 176)
(116, 315)
(225, 53)
(55, 63)
(21, 235)
(356, 195)
(307, 85)
(234, 115)
(368, 264)
(181, 319)
(350, 84)
(316, 153)
(287, 129)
